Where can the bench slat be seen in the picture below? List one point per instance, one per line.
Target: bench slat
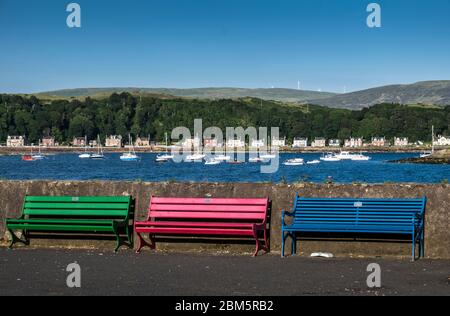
(209, 208)
(208, 215)
(206, 201)
(80, 199)
(198, 231)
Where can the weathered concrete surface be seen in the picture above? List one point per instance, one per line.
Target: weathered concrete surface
(437, 220)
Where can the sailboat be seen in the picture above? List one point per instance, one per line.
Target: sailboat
(269, 155)
(429, 153)
(195, 157)
(33, 157)
(99, 155)
(165, 157)
(86, 155)
(38, 156)
(131, 155)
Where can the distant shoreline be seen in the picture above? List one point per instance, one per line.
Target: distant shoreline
(62, 150)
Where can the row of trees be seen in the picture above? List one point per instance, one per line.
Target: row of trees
(125, 113)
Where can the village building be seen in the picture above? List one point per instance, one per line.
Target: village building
(442, 141)
(15, 141)
(191, 143)
(93, 143)
(48, 142)
(276, 142)
(334, 143)
(257, 143)
(212, 143)
(379, 142)
(401, 141)
(142, 142)
(114, 141)
(79, 142)
(235, 143)
(353, 143)
(300, 143)
(319, 142)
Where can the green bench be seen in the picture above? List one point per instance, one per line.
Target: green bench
(69, 215)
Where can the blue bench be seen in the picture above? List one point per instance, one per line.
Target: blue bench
(356, 216)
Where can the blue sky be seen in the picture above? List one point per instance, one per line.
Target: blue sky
(325, 44)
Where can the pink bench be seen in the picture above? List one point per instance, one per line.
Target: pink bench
(205, 217)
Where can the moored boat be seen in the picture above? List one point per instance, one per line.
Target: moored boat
(294, 162)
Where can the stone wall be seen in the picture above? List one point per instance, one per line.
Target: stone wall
(437, 220)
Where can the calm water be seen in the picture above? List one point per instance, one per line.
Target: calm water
(70, 167)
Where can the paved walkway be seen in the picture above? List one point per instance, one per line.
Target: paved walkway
(43, 272)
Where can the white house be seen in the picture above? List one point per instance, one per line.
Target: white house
(235, 143)
(442, 141)
(114, 141)
(319, 142)
(334, 143)
(276, 142)
(257, 143)
(401, 141)
(300, 143)
(15, 141)
(379, 142)
(353, 143)
(191, 142)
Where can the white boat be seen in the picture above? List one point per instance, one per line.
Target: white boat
(99, 155)
(360, 157)
(345, 155)
(131, 155)
(255, 160)
(294, 162)
(195, 157)
(165, 157)
(86, 155)
(313, 162)
(268, 156)
(37, 156)
(222, 158)
(212, 162)
(429, 153)
(330, 157)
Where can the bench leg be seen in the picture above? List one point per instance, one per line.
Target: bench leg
(422, 245)
(266, 241)
(284, 236)
(414, 247)
(258, 244)
(129, 237)
(142, 243)
(15, 239)
(118, 242)
(294, 244)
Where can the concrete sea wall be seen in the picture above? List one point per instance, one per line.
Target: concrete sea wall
(437, 218)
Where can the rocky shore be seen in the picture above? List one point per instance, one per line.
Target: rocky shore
(441, 157)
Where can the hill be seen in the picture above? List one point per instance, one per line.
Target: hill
(283, 95)
(425, 93)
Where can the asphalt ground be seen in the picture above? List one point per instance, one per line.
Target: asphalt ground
(44, 272)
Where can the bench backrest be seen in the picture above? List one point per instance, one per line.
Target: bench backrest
(114, 207)
(245, 210)
(358, 211)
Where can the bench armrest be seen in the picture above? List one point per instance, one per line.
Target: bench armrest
(284, 214)
(19, 218)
